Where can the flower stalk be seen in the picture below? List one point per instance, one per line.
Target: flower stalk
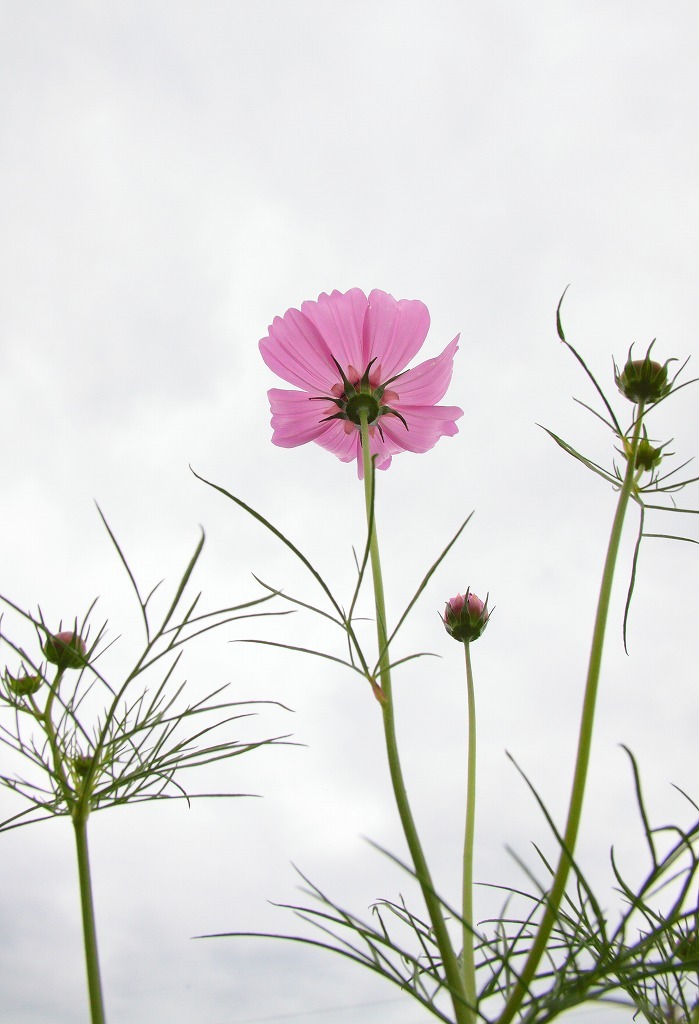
(94, 983)
(538, 947)
(468, 964)
(464, 1010)
(46, 721)
(78, 806)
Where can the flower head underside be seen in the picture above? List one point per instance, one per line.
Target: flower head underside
(347, 354)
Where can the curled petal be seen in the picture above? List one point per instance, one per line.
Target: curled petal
(426, 424)
(427, 383)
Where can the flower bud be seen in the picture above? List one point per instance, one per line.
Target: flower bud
(643, 380)
(465, 617)
(66, 650)
(647, 457)
(25, 685)
(82, 764)
(687, 949)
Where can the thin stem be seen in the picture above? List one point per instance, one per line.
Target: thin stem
(79, 809)
(468, 960)
(570, 835)
(94, 983)
(463, 1014)
(46, 720)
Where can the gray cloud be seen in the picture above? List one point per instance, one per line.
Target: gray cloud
(173, 177)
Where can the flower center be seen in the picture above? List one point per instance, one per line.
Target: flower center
(366, 402)
(362, 394)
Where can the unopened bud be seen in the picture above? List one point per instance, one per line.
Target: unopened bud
(647, 457)
(378, 692)
(643, 380)
(687, 949)
(66, 650)
(82, 764)
(465, 617)
(23, 686)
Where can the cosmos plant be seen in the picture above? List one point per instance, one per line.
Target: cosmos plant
(90, 742)
(346, 356)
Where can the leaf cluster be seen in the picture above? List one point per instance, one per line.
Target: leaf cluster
(344, 616)
(648, 961)
(90, 743)
(648, 483)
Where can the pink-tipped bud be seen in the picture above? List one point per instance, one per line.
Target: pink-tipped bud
(465, 617)
(66, 650)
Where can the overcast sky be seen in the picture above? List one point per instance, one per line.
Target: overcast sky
(173, 175)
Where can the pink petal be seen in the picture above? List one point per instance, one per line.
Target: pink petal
(347, 446)
(296, 419)
(334, 439)
(426, 383)
(339, 318)
(426, 424)
(296, 352)
(393, 331)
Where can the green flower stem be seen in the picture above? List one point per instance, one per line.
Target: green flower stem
(94, 983)
(463, 1013)
(79, 809)
(570, 835)
(468, 964)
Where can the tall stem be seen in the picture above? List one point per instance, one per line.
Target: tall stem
(463, 1013)
(94, 983)
(584, 739)
(468, 959)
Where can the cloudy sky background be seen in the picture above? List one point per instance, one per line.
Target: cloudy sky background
(174, 175)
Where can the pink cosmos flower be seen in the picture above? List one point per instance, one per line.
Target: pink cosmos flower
(347, 352)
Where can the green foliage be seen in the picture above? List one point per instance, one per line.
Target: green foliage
(92, 743)
(343, 616)
(648, 960)
(646, 457)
